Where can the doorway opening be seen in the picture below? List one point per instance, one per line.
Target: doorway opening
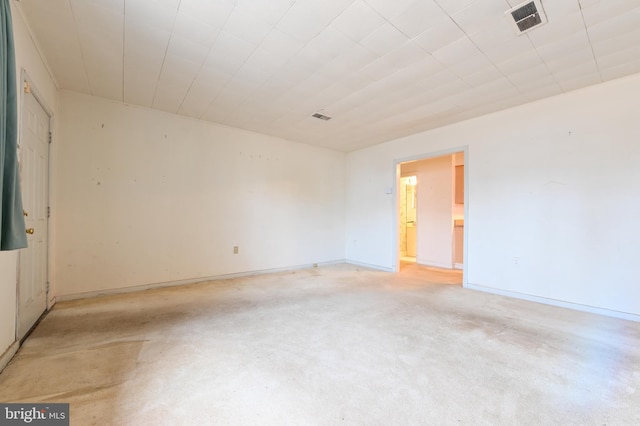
(408, 208)
(430, 211)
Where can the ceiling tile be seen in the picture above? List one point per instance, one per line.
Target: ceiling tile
(228, 53)
(420, 70)
(520, 62)
(304, 21)
(454, 6)
(482, 15)
(270, 11)
(507, 49)
(561, 47)
(327, 45)
(176, 77)
(378, 69)
(54, 26)
(528, 76)
(456, 52)
(142, 65)
(390, 9)
(541, 92)
(152, 13)
(351, 61)
(281, 45)
(357, 21)
(623, 41)
(557, 29)
(199, 97)
(494, 35)
(247, 27)
(211, 12)
(419, 16)
(384, 39)
(470, 65)
(582, 70)
(483, 75)
(187, 49)
(617, 71)
(558, 9)
(619, 58)
(605, 10)
(572, 60)
(102, 48)
(579, 81)
(195, 30)
(406, 55)
(443, 32)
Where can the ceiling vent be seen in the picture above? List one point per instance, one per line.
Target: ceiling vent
(527, 16)
(321, 116)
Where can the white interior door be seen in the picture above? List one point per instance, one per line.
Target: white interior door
(34, 175)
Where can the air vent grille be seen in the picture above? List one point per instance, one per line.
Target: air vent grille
(527, 16)
(321, 116)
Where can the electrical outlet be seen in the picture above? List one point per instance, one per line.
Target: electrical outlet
(235, 249)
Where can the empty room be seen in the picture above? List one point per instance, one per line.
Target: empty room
(367, 212)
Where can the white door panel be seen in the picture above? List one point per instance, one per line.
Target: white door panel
(34, 175)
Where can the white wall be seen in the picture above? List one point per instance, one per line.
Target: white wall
(435, 212)
(553, 197)
(27, 58)
(147, 197)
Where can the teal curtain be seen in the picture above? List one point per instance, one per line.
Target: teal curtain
(12, 229)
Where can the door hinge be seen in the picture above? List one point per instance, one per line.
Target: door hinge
(48, 211)
(48, 286)
(50, 137)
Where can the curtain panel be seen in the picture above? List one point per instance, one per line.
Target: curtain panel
(12, 228)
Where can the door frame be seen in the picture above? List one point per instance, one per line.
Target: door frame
(396, 204)
(25, 79)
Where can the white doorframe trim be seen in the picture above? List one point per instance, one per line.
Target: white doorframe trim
(24, 78)
(396, 200)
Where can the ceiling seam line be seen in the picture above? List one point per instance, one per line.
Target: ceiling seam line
(231, 77)
(84, 61)
(593, 53)
(166, 51)
(544, 62)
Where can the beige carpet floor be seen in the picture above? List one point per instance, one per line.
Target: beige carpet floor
(337, 345)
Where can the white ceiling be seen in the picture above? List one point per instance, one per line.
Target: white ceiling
(381, 68)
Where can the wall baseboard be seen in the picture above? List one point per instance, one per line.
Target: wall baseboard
(133, 289)
(369, 266)
(458, 266)
(554, 302)
(434, 264)
(7, 356)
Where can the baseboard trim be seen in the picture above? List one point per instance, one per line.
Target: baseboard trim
(555, 302)
(434, 264)
(458, 266)
(7, 356)
(143, 287)
(369, 266)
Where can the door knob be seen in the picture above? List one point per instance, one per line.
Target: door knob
(30, 231)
